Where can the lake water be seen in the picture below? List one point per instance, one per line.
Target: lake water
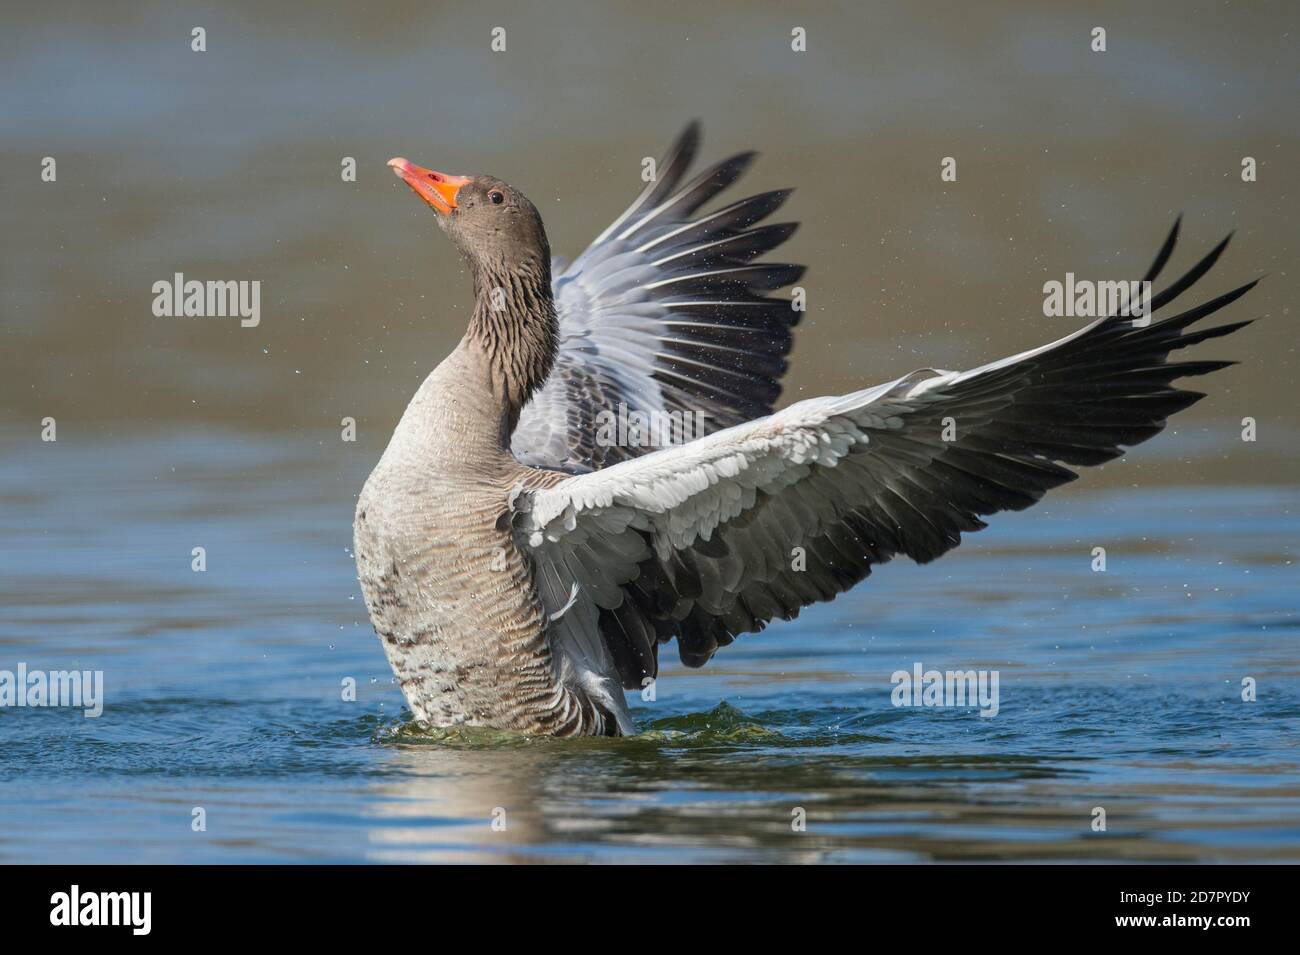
(1119, 690)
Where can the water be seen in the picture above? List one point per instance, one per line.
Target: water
(223, 689)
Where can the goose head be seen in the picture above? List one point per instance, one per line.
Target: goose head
(500, 233)
(493, 224)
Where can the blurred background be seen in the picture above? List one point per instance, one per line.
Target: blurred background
(226, 165)
(1119, 689)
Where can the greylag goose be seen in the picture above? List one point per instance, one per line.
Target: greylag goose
(522, 564)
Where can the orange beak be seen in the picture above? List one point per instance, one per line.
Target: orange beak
(436, 188)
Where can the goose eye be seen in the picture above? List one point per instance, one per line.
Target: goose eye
(496, 198)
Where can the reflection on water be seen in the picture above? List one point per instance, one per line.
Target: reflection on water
(1119, 691)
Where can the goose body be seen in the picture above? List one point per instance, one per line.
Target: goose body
(521, 571)
(450, 593)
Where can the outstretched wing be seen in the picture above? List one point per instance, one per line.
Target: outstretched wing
(666, 313)
(903, 468)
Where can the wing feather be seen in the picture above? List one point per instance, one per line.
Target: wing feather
(855, 480)
(666, 312)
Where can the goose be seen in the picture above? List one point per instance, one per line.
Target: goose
(521, 570)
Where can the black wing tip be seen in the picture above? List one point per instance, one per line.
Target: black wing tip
(1194, 274)
(1166, 250)
(690, 134)
(769, 202)
(684, 148)
(740, 161)
(1175, 231)
(793, 269)
(1227, 298)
